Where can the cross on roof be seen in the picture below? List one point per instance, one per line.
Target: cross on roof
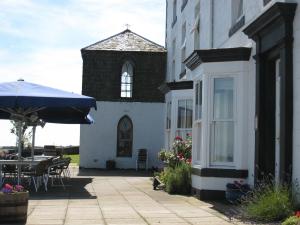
(127, 26)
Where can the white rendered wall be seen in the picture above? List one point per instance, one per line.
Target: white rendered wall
(98, 142)
(296, 124)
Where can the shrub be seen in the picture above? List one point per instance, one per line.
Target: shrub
(178, 179)
(268, 202)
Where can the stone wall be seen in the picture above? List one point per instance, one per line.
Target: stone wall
(102, 75)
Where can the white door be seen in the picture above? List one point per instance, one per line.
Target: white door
(277, 123)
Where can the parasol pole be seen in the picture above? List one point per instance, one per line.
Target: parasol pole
(19, 128)
(33, 142)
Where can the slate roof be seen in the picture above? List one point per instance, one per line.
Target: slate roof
(126, 41)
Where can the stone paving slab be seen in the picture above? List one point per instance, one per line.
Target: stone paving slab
(99, 198)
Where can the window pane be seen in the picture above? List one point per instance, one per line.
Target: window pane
(126, 80)
(200, 100)
(124, 137)
(222, 141)
(223, 98)
(196, 101)
(183, 133)
(237, 10)
(199, 141)
(181, 114)
(168, 122)
(189, 113)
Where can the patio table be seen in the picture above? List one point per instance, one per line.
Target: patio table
(19, 163)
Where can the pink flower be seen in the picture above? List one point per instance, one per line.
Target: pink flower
(19, 188)
(297, 214)
(8, 186)
(178, 138)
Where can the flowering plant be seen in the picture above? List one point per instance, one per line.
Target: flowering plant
(181, 152)
(9, 189)
(293, 220)
(183, 148)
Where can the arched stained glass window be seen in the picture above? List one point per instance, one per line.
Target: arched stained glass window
(125, 135)
(126, 80)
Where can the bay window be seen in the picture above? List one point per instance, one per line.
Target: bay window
(222, 122)
(184, 117)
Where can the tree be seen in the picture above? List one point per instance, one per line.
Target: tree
(25, 134)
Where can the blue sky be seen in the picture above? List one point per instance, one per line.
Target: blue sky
(40, 41)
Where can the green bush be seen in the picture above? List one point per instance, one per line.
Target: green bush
(178, 179)
(268, 202)
(292, 220)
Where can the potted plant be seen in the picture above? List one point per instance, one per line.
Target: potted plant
(236, 190)
(13, 204)
(110, 164)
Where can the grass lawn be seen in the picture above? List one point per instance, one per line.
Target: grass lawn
(74, 158)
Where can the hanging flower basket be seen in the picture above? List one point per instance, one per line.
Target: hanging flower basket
(13, 206)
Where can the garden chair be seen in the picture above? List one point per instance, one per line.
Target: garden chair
(55, 171)
(142, 158)
(37, 174)
(66, 163)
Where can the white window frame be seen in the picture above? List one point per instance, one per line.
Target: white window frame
(211, 120)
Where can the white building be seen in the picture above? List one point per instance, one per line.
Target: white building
(233, 80)
(119, 73)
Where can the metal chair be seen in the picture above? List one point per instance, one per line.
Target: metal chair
(142, 158)
(38, 175)
(55, 171)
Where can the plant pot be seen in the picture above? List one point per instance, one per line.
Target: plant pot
(233, 195)
(110, 164)
(13, 207)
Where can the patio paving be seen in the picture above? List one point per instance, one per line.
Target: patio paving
(119, 197)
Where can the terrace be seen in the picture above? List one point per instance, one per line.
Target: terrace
(116, 197)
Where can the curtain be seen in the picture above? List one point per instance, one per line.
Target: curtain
(223, 125)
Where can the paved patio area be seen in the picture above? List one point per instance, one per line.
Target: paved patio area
(99, 197)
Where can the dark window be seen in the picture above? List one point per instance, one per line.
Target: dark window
(184, 2)
(174, 12)
(125, 133)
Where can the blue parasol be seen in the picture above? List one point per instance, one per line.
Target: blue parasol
(35, 105)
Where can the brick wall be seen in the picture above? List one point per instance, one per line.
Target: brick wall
(102, 75)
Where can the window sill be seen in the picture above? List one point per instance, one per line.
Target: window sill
(237, 26)
(174, 22)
